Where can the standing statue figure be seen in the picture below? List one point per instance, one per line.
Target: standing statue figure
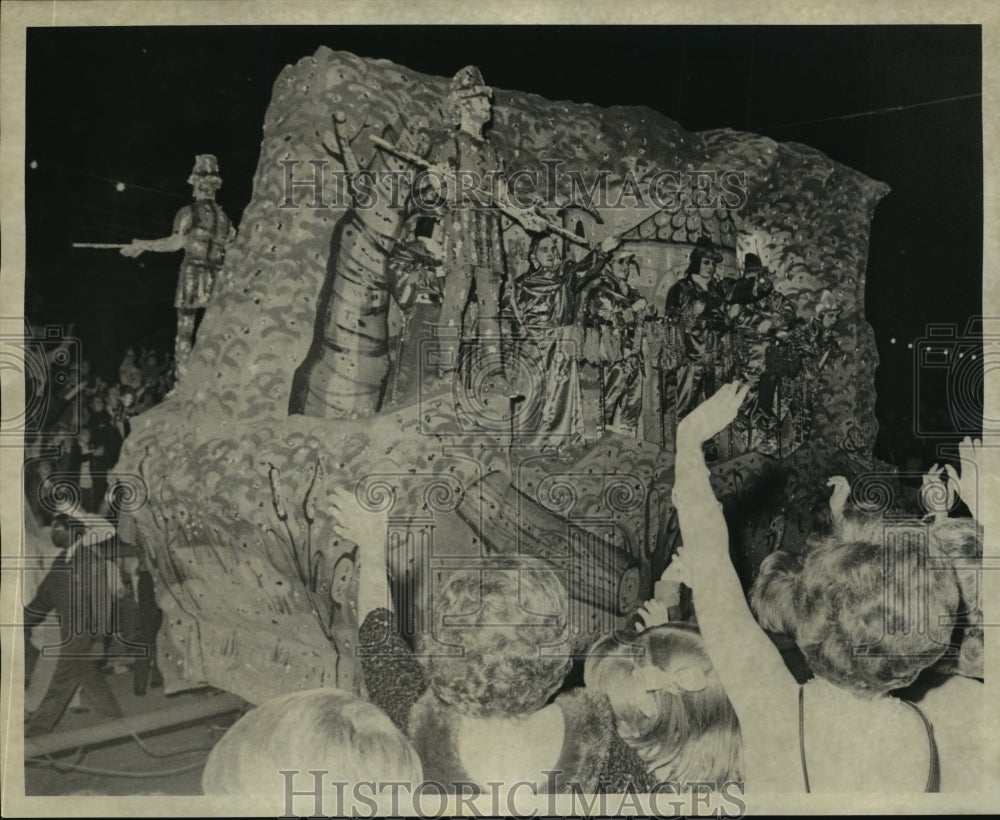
(761, 354)
(549, 337)
(762, 319)
(473, 252)
(697, 305)
(615, 320)
(204, 231)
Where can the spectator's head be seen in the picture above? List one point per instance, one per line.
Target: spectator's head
(669, 704)
(114, 396)
(127, 397)
(510, 626)
(324, 730)
(871, 615)
(960, 540)
(130, 355)
(97, 404)
(772, 596)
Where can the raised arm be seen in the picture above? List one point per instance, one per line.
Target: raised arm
(368, 531)
(974, 469)
(749, 666)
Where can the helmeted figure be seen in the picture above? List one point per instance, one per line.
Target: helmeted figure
(204, 231)
(473, 253)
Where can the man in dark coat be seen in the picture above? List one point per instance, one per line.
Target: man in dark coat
(78, 589)
(697, 303)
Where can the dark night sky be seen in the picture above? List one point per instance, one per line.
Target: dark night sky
(136, 104)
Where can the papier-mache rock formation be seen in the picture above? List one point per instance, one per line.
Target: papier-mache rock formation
(259, 594)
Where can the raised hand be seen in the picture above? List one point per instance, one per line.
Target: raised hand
(132, 250)
(712, 415)
(652, 613)
(367, 530)
(354, 523)
(935, 496)
(841, 492)
(972, 456)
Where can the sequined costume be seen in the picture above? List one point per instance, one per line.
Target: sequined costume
(473, 245)
(614, 322)
(700, 314)
(549, 345)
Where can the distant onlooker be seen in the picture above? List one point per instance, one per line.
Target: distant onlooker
(76, 589)
(129, 373)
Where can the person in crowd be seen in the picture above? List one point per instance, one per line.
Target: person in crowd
(69, 392)
(38, 489)
(119, 410)
(112, 399)
(855, 605)
(129, 373)
(325, 730)
(669, 704)
(81, 465)
(497, 656)
(77, 589)
(127, 402)
(107, 444)
(950, 692)
(149, 619)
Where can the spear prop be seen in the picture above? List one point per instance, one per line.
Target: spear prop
(508, 210)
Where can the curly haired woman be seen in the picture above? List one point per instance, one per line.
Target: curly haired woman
(477, 700)
(857, 607)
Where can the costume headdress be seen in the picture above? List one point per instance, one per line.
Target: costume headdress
(206, 167)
